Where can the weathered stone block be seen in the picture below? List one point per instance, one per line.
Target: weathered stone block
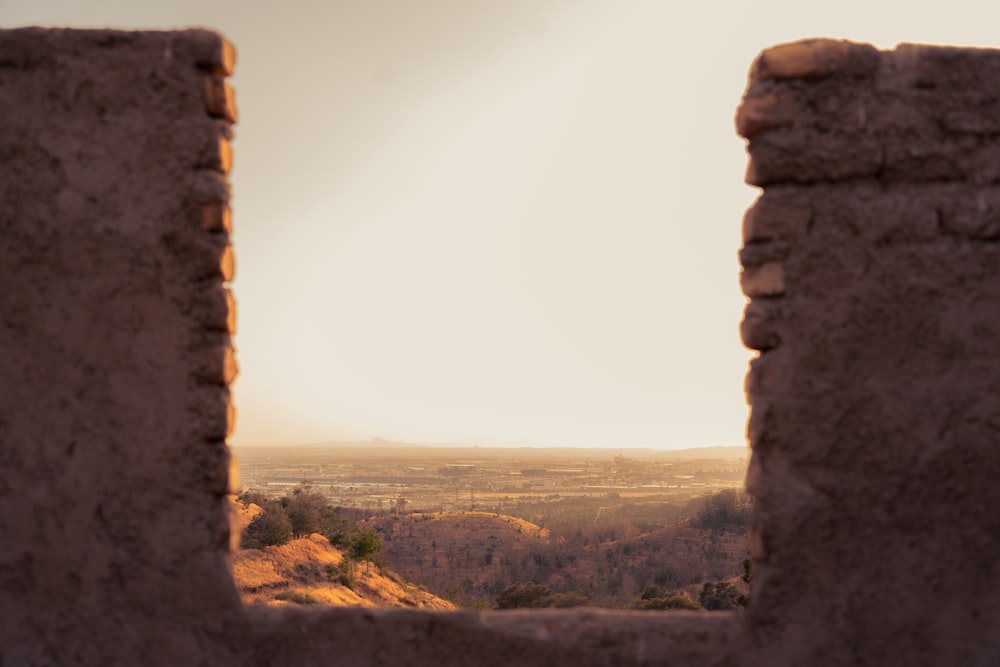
(768, 220)
(948, 70)
(220, 100)
(758, 329)
(976, 215)
(216, 364)
(210, 412)
(217, 217)
(211, 51)
(813, 58)
(764, 280)
(803, 155)
(769, 110)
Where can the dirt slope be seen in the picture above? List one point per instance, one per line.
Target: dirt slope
(300, 572)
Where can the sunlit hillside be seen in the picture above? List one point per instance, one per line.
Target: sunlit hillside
(471, 557)
(310, 570)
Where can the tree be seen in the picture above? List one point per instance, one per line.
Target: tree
(720, 595)
(339, 530)
(523, 595)
(366, 545)
(655, 598)
(528, 595)
(269, 528)
(305, 509)
(723, 510)
(653, 592)
(258, 498)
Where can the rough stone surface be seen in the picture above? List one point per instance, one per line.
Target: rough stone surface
(875, 419)
(410, 638)
(114, 349)
(871, 262)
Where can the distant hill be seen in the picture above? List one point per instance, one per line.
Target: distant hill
(464, 555)
(470, 557)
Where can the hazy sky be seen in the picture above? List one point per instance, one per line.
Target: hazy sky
(496, 222)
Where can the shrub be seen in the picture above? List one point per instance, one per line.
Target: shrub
(721, 595)
(253, 497)
(269, 528)
(527, 595)
(305, 509)
(725, 509)
(567, 600)
(668, 602)
(523, 595)
(653, 592)
(342, 574)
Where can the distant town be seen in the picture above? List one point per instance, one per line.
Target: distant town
(379, 475)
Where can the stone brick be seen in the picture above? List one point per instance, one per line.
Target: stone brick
(210, 51)
(978, 118)
(207, 188)
(216, 364)
(768, 110)
(219, 468)
(211, 257)
(976, 215)
(211, 413)
(815, 58)
(220, 101)
(949, 70)
(217, 217)
(931, 159)
(764, 280)
(215, 308)
(758, 328)
(803, 155)
(768, 220)
(227, 264)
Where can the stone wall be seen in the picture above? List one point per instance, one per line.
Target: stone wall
(870, 261)
(114, 345)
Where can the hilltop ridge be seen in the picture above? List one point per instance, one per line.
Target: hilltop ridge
(310, 570)
(300, 573)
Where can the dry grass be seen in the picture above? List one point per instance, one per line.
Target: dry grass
(242, 514)
(298, 573)
(486, 519)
